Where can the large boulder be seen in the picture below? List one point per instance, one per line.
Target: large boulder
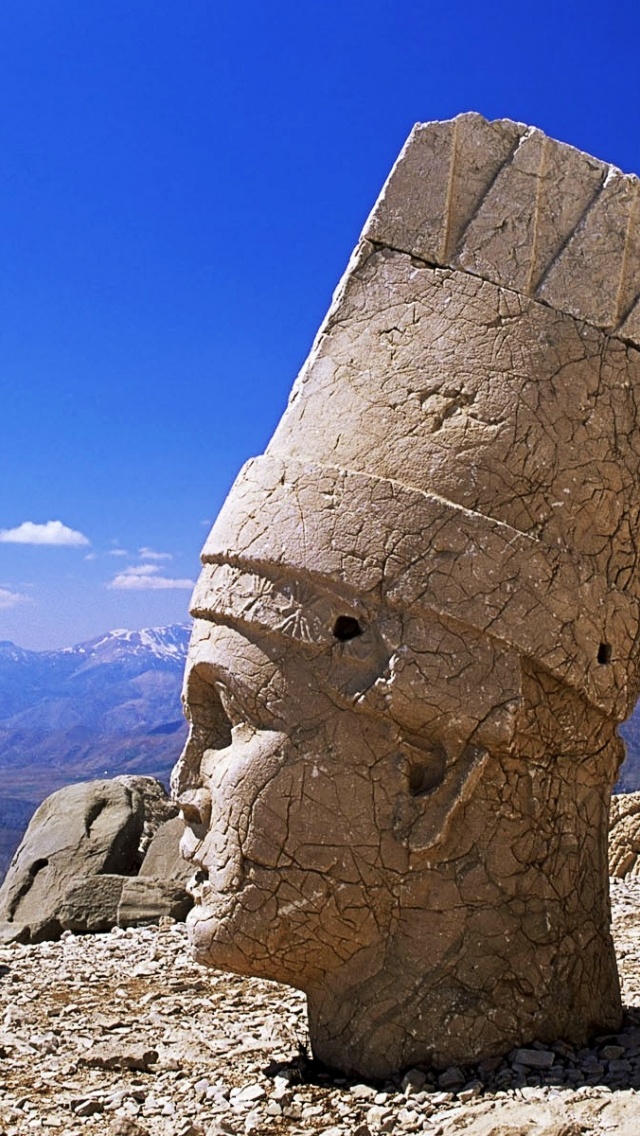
(78, 863)
(83, 830)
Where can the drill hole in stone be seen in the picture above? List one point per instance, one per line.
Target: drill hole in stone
(346, 628)
(604, 653)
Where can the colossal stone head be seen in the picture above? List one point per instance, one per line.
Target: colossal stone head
(416, 625)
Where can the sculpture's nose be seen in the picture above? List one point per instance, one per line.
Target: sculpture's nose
(195, 807)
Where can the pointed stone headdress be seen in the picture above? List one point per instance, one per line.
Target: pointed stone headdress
(463, 438)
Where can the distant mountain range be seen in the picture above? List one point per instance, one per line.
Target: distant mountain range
(110, 706)
(629, 779)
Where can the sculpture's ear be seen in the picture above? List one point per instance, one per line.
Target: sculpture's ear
(435, 790)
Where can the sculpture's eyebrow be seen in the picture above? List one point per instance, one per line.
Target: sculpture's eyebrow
(411, 550)
(242, 595)
(209, 671)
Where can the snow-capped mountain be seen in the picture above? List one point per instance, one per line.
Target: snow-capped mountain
(107, 706)
(164, 643)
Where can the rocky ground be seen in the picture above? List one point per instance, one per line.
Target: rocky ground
(123, 1034)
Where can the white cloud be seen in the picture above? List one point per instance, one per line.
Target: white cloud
(145, 577)
(52, 532)
(141, 570)
(149, 554)
(117, 552)
(10, 599)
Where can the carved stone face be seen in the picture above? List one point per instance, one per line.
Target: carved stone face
(417, 625)
(326, 785)
(361, 817)
(329, 751)
(365, 819)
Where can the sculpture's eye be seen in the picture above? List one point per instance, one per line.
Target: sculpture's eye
(346, 627)
(604, 653)
(209, 719)
(425, 771)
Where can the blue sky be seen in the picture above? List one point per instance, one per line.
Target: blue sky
(181, 185)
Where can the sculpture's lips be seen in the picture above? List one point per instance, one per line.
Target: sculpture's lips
(219, 936)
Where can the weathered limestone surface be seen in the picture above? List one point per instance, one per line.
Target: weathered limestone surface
(147, 900)
(624, 835)
(160, 860)
(505, 203)
(417, 623)
(98, 903)
(77, 866)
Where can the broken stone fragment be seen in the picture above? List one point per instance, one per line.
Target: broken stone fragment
(534, 1058)
(162, 859)
(91, 904)
(147, 900)
(123, 1126)
(83, 830)
(76, 868)
(451, 1078)
(624, 835)
(119, 1055)
(99, 903)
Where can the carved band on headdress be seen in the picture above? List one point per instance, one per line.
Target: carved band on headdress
(416, 551)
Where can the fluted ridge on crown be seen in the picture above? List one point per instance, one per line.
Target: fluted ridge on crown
(502, 201)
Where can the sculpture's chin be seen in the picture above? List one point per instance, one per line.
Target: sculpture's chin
(222, 934)
(244, 932)
(212, 940)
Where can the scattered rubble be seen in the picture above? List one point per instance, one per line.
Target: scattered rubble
(123, 1034)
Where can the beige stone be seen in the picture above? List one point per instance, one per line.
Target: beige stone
(162, 860)
(147, 900)
(81, 831)
(91, 904)
(504, 202)
(624, 835)
(550, 1118)
(417, 623)
(76, 868)
(597, 270)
